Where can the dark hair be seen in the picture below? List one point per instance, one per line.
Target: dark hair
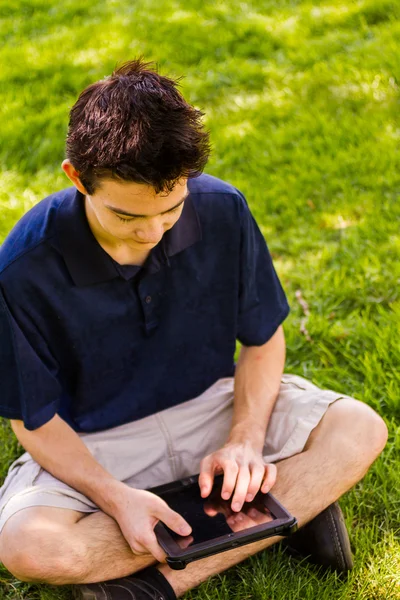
(135, 126)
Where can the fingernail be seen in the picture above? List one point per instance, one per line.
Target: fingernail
(225, 495)
(203, 491)
(249, 497)
(236, 506)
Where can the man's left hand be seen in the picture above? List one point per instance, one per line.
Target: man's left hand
(244, 469)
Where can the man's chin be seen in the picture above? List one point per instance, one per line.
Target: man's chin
(148, 244)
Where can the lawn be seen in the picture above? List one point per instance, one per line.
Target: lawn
(302, 101)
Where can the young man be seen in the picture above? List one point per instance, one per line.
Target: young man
(121, 300)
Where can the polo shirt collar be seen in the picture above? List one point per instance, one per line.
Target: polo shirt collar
(88, 263)
(185, 232)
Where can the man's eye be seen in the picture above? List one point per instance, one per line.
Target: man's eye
(125, 220)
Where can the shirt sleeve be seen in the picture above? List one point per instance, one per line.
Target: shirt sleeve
(262, 302)
(30, 390)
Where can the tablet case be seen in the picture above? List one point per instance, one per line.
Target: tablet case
(284, 525)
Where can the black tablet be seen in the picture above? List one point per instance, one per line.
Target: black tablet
(215, 526)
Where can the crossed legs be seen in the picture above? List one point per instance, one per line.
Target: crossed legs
(76, 548)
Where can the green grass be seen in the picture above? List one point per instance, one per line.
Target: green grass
(302, 100)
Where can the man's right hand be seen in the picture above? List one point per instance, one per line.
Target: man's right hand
(138, 513)
(60, 451)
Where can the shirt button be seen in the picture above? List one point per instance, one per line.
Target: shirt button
(148, 299)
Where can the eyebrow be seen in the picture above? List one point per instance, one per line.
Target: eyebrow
(128, 214)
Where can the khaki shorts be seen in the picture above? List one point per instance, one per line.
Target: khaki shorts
(170, 444)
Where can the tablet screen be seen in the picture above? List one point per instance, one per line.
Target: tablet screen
(213, 517)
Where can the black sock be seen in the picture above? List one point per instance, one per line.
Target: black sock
(156, 579)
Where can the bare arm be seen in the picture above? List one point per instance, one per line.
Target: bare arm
(61, 452)
(257, 381)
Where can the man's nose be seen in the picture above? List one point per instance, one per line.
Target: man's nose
(151, 233)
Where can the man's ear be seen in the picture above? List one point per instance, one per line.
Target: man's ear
(73, 175)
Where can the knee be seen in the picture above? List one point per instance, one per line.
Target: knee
(39, 553)
(380, 433)
(366, 431)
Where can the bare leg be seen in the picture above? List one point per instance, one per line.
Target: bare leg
(74, 547)
(337, 455)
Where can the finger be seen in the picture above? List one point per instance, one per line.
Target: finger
(172, 519)
(137, 548)
(231, 470)
(139, 545)
(150, 543)
(242, 485)
(206, 477)
(269, 478)
(257, 474)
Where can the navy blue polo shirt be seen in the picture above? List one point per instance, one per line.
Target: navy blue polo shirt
(102, 344)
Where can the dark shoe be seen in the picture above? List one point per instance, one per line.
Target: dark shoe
(126, 588)
(324, 540)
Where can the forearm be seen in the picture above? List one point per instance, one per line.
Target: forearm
(61, 452)
(257, 380)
